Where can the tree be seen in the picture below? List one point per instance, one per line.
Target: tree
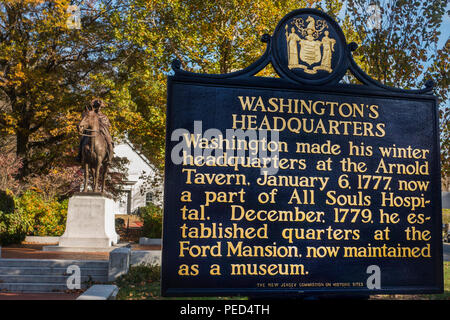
(205, 36)
(439, 71)
(10, 165)
(124, 49)
(49, 71)
(397, 38)
(399, 48)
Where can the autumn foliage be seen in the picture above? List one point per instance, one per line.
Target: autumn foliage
(123, 54)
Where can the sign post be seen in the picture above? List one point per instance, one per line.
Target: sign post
(300, 184)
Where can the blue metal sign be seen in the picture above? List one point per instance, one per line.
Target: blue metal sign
(300, 184)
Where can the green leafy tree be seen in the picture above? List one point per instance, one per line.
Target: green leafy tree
(49, 71)
(399, 47)
(205, 36)
(439, 71)
(397, 38)
(124, 49)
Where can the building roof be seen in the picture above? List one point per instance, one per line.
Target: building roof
(125, 140)
(138, 164)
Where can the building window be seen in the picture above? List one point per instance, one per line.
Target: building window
(148, 198)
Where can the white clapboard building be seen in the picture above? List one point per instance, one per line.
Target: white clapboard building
(135, 194)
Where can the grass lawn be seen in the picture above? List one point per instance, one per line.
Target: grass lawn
(143, 283)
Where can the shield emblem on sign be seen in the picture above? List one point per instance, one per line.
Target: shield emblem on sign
(310, 51)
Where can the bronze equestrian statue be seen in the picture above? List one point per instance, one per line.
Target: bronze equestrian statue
(96, 147)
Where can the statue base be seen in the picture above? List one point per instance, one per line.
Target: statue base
(90, 223)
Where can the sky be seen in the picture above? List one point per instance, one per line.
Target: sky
(445, 28)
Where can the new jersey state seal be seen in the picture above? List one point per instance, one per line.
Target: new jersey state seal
(309, 45)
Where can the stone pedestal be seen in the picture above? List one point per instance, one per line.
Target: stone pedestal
(90, 224)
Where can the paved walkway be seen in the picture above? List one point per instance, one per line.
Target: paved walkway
(34, 251)
(145, 247)
(38, 296)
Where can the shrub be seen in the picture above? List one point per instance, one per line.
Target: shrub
(139, 274)
(120, 223)
(445, 215)
(152, 218)
(6, 201)
(32, 215)
(49, 216)
(141, 282)
(57, 183)
(14, 225)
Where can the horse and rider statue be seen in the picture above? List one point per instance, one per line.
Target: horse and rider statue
(96, 147)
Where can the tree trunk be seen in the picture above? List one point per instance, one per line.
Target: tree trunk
(22, 152)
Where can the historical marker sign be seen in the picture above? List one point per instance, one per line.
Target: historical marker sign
(300, 184)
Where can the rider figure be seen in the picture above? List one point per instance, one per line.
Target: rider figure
(96, 105)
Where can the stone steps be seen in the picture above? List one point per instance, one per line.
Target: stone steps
(52, 263)
(48, 278)
(11, 271)
(35, 275)
(35, 287)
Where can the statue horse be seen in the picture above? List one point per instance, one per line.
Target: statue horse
(94, 150)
